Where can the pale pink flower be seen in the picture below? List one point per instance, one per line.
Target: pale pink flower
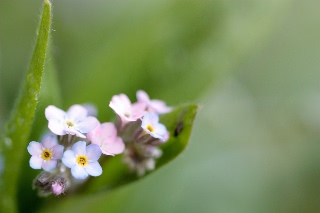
(154, 105)
(125, 110)
(105, 136)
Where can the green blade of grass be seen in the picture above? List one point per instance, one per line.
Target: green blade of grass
(49, 94)
(13, 143)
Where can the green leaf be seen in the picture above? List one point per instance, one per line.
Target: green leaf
(49, 94)
(14, 142)
(179, 122)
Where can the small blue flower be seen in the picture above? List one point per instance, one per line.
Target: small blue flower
(45, 155)
(151, 125)
(83, 160)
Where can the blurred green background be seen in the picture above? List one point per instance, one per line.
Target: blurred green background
(252, 65)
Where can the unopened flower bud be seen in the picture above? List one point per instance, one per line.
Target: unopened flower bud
(58, 185)
(48, 183)
(43, 183)
(141, 158)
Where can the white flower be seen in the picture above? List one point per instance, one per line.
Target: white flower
(74, 122)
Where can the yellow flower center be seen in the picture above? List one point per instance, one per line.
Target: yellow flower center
(82, 160)
(150, 128)
(46, 154)
(69, 124)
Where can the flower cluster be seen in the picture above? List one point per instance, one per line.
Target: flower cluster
(138, 124)
(78, 141)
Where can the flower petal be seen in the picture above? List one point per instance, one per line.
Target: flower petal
(121, 104)
(112, 148)
(91, 109)
(35, 162)
(166, 136)
(103, 134)
(95, 135)
(49, 141)
(57, 151)
(150, 119)
(154, 105)
(53, 112)
(94, 169)
(109, 129)
(142, 96)
(56, 126)
(69, 159)
(93, 152)
(87, 124)
(154, 118)
(71, 131)
(77, 112)
(48, 165)
(34, 148)
(79, 172)
(159, 107)
(79, 148)
(78, 134)
(138, 110)
(161, 129)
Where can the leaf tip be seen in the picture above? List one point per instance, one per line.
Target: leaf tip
(47, 2)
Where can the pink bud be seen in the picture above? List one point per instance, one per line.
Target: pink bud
(58, 186)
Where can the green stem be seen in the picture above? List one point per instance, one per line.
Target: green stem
(13, 144)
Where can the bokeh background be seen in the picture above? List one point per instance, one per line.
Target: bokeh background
(252, 65)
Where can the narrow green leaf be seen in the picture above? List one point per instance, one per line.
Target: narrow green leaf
(13, 143)
(49, 94)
